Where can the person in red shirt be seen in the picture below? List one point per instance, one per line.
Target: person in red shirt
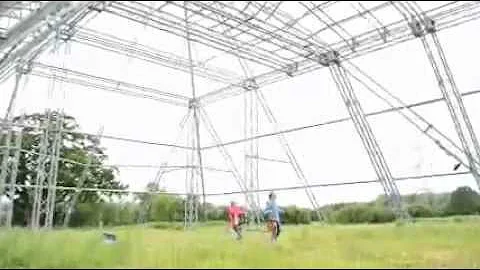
(234, 215)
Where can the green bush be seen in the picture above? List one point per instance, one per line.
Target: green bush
(167, 226)
(304, 217)
(363, 213)
(352, 214)
(166, 208)
(457, 219)
(419, 210)
(382, 215)
(295, 215)
(85, 214)
(463, 201)
(400, 223)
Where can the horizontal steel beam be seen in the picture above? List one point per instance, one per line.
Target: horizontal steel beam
(30, 24)
(96, 82)
(171, 23)
(115, 44)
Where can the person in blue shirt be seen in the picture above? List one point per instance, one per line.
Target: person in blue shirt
(273, 212)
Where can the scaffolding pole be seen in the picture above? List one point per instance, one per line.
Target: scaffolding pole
(426, 31)
(53, 171)
(5, 158)
(251, 149)
(193, 105)
(364, 130)
(192, 179)
(13, 175)
(40, 175)
(443, 142)
(7, 125)
(189, 177)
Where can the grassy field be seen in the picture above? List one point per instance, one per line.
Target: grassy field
(439, 244)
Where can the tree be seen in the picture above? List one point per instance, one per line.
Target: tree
(463, 201)
(420, 210)
(145, 201)
(295, 215)
(86, 214)
(364, 213)
(73, 146)
(166, 208)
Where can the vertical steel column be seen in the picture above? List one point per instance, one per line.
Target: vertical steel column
(53, 172)
(190, 178)
(193, 174)
(5, 157)
(13, 174)
(194, 106)
(8, 127)
(339, 75)
(195, 186)
(450, 92)
(40, 177)
(251, 150)
(186, 220)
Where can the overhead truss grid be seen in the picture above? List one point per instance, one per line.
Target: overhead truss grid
(271, 40)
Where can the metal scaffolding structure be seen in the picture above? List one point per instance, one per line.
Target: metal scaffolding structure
(363, 128)
(251, 150)
(271, 40)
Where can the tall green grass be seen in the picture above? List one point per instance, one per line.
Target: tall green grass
(422, 244)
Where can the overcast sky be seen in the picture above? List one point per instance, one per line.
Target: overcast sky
(327, 154)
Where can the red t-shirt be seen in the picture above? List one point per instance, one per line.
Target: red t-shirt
(234, 213)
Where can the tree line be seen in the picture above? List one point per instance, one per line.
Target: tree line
(171, 209)
(463, 201)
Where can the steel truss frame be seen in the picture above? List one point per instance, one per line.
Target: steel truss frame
(260, 34)
(251, 149)
(453, 98)
(365, 132)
